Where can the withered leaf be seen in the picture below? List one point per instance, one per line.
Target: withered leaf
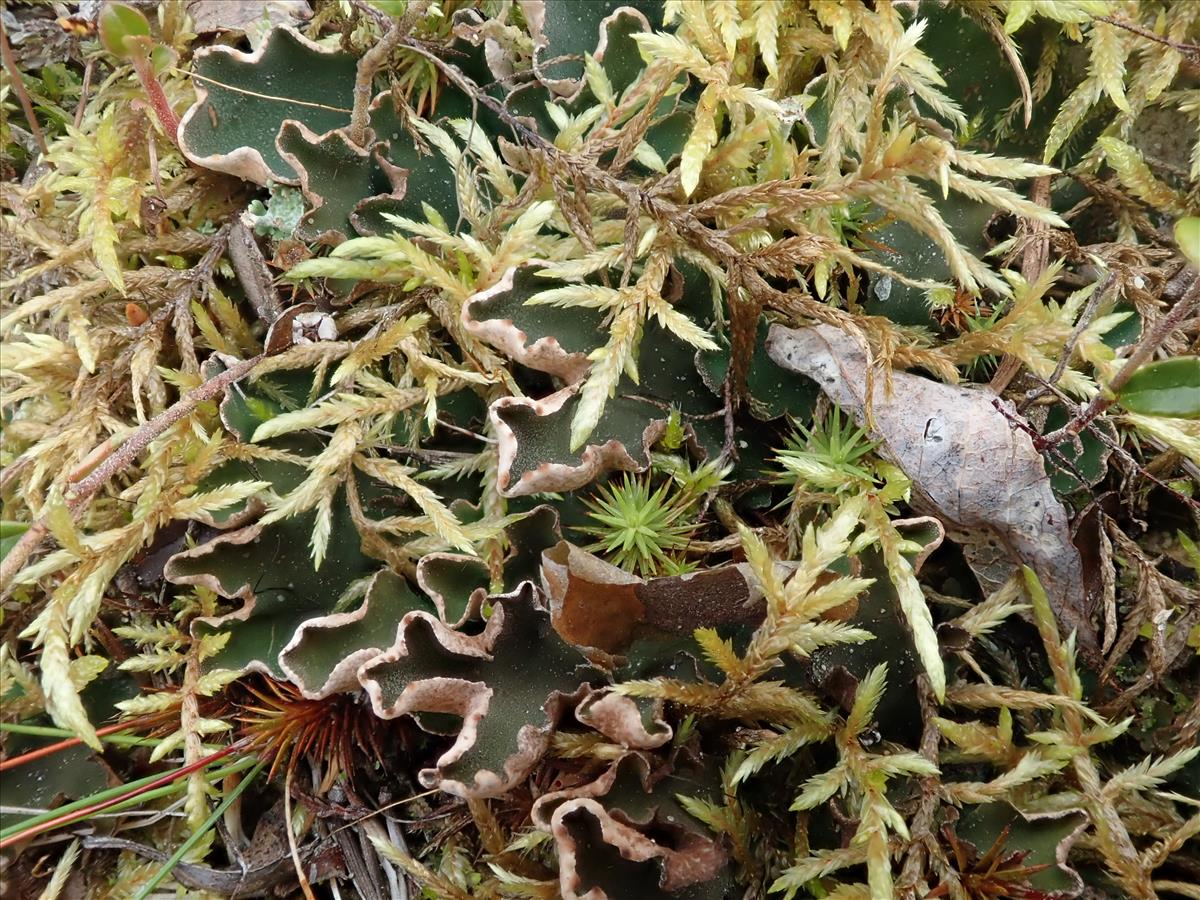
(594, 604)
(968, 464)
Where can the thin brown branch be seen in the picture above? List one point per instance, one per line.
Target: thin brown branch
(1085, 319)
(372, 62)
(229, 882)
(995, 29)
(923, 822)
(1190, 50)
(1108, 441)
(1035, 258)
(84, 91)
(1142, 352)
(293, 848)
(18, 84)
(82, 492)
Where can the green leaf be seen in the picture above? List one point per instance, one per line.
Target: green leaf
(904, 249)
(74, 772)
(259, 401)
(337, 178)
(597, 825)
(324, 654)
(548, 338)
(391, 7)
(509, 685)
(774, 391)
(620, 58)
(837, 668)
(1092, 463)
(535, 436)
(430, 177)
(982, 80)
(1167, 388)
(269, 568)
(1187, 235)
(120, 26)
(242, 100)
(1042, 838)
(280, 114)
(40, 784)
(571, 28)
(10, 533)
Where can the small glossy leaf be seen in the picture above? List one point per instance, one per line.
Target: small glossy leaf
(120, 26)
(1167, 388)
(1187, 235)
(73, 772)
(391, 7)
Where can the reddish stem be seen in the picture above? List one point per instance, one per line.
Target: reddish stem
(19, 88)
(67, 819)
(50, 749)
(158, 99)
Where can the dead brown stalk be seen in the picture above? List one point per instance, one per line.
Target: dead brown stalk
(82, 492)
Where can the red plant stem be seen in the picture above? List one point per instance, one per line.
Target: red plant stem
(35, 830)
(158, 99)
(66, 744)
